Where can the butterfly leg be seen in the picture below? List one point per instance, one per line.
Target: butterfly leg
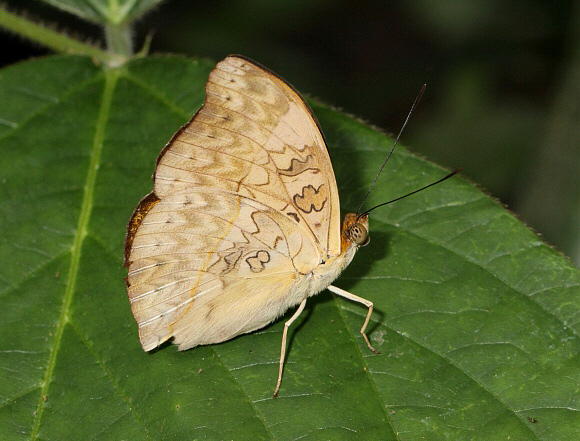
(367, 303)
(283, 349)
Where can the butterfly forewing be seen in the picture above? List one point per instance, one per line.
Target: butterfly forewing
(256, 136)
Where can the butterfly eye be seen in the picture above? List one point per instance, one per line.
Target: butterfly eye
(359, 235)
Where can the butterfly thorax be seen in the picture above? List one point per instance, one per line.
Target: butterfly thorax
(354, 234)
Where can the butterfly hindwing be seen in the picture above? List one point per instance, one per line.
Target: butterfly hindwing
(211, 264)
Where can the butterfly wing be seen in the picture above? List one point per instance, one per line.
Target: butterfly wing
(245, 204)
(209, 265)
(257, 137)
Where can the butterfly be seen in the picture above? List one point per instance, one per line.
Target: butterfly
(244, 219)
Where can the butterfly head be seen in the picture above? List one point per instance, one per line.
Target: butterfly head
(355, 230)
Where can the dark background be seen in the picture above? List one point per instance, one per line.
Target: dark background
(503, 76)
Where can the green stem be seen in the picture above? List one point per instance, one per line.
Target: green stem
(118, 37)
(57, 41)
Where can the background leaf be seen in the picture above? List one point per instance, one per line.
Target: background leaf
(475, 316)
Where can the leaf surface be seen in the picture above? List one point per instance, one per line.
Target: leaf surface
(475, 318)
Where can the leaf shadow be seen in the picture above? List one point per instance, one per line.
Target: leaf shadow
(354, 272)
(359, 268)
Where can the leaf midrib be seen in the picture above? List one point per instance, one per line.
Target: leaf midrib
(111, 78)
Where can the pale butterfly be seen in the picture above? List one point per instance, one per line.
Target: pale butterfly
(244, 219)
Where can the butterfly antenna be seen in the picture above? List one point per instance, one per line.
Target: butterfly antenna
(394, 145)
(413, 192)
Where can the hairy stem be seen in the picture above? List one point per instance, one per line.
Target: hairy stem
(58, 41)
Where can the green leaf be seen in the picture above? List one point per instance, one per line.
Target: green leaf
(475, 318)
